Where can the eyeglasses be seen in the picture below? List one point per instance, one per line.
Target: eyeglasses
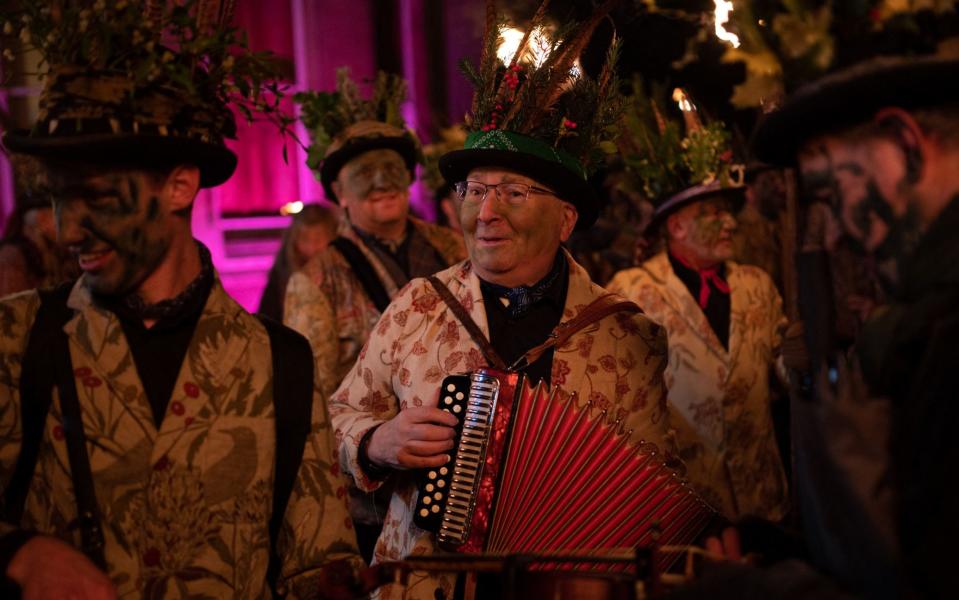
(475, 192)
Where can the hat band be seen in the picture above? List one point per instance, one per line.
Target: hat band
(498, 139)
(677, 199)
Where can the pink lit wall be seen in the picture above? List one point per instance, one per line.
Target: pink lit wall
(316, 37)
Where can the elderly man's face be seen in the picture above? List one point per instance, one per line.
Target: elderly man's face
(862, 179)
(374, 188)
(513, 242)
(116, 224)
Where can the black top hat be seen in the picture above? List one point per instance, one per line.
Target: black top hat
(854, 95)
(894, 54)
(88, 115)
(143, 84)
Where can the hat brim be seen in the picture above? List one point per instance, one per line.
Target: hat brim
(853, 96)
(737, 195)
(216, 162)
(331, 165)
(456, 165)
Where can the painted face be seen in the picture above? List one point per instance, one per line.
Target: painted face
(115, 224)
(374, 188)
(514, 243)
(710, 225)
(865, 185)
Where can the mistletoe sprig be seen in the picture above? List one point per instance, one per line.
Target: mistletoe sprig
(156, 44)
(326, 114)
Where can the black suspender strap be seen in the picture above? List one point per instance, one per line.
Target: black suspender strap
(293, 413)
(364, 272)
(48, 351)
(36, 387)
(88, 512)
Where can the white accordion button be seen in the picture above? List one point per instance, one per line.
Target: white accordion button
(425, 512)
(450, 388)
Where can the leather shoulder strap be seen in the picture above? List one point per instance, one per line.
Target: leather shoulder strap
(472, 328)
(597, 310)
(364, 272)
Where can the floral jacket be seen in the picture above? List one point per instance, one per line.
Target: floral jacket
(327, 303)
(719, 399)
(185, 508)
(616, 363)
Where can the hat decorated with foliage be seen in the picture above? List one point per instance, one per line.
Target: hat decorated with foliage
(538, 113)
(675, 163)
(839, 62)
(143, 82)
(343, 125)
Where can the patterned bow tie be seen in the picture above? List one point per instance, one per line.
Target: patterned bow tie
(522, 297)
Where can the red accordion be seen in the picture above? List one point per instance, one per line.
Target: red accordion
(532, 472)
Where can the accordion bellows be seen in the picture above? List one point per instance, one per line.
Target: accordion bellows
(534, 472)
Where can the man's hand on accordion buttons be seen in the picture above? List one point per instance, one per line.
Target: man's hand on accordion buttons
(416, 438)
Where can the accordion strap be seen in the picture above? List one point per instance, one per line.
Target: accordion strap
(492, 356)
(597, 310)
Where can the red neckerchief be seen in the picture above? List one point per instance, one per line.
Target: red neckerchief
(706, 276)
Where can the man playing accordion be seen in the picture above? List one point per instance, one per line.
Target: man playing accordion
(521, 194)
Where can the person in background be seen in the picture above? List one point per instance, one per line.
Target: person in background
(311, 230)
(29, 254)
(367, 167)
(724, 320)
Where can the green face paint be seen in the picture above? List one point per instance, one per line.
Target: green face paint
(380, 170)
(115, 225)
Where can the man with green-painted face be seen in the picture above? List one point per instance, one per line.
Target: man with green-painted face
(725, 322)
(337, 298)
(144, 449)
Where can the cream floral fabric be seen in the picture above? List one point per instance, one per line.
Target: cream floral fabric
(719, 399)
(616, 363)
(186, 507)
(328, 305)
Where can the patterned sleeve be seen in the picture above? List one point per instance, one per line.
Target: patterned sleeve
(309, 311)
(778, 323)
(16, 318)
(317, 542)
(365, 398)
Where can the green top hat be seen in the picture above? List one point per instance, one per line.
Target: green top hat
(539, 114)
(112, 93)
(343, 125)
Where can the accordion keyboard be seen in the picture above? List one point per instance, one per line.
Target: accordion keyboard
(447, 494)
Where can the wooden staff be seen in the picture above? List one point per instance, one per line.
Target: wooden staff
(788, 228)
